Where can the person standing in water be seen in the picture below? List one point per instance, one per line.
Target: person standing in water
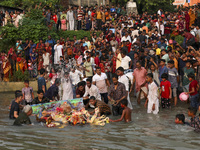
(152, 102)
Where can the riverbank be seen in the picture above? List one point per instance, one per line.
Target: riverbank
(13, 86)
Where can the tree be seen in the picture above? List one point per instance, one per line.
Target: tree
(33, 26)
(152, 6)
(29, 4)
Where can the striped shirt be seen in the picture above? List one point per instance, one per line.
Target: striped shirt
(80, 14)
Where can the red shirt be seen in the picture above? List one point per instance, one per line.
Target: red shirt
(48, 49)
(193, 84)
(165, 89)
(96, 61)
(129, 47)
(102, 67)
(40, 46)
(55, 19)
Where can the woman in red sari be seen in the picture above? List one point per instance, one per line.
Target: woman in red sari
(21, 63)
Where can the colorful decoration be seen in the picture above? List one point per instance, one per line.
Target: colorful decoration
(61, 113)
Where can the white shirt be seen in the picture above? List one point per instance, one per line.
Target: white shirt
(100, 82)
(134, 33)
(125, 62)
(75, 76)
(70, 15)
(88, 43)
(159, 12)
(152, 93)
(57, 53)
(92, 91)
(153, 98)
(126, 38)
(45, 59)
(123, 79)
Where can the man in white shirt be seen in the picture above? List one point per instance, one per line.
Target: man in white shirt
(75, 76)
(125, 61)
(58, 52)
(87, 42)
(126, 37)
(124, 79)
(90, 90)
(134, 32)
(70, 19)
(100, 80)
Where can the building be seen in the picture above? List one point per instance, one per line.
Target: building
(88, 2)
(186, 2)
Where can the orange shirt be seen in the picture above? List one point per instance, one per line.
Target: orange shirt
(99, 16)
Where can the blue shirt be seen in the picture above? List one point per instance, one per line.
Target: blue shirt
(31, 48)
(41, 82)
(85, 44)
(112, 10)
(161, 71)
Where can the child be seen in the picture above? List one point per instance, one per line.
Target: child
(30, 68)
(193, 91)
(166, 91)
(173, 79)
(152, 98)
(46, 60)
(96, 59)
(42, 81)
(27, 92)
(24, 116)
(61, 63)
(187, 70)
(192, 113)
(180, 119)
(162, 68)
(126, 114)
(52, 76)
(101, 65)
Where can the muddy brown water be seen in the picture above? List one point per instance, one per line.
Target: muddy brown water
(146, 131)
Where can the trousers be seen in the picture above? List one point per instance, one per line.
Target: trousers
(71, 25)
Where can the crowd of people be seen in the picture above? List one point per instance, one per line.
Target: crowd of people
(143, 44)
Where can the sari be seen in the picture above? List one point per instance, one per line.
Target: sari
(21, 64)
(6, 71)
(192, 17)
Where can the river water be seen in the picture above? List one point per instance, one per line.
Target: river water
(146, 131)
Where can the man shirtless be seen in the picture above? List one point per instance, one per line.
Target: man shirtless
(126, 114)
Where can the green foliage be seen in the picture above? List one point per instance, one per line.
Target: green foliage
(79, 34)
(29, 4)
(153, 6)
(33, 27)
(19, 76)
(121, 2)
(179, 39)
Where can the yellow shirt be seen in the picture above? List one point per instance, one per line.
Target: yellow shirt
(158, 50)
(175, 63)
(99, 16)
